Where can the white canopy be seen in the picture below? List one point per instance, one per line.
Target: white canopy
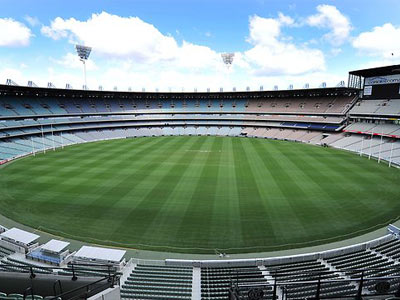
(55, 246)
(97, 253)
(21, 236)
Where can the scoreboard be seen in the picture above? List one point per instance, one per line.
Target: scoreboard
(382, 87)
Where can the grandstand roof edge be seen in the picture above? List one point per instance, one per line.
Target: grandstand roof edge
(54, 92)
(379, 71)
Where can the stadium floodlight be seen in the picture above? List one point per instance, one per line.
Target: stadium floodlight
(261, 88)
(248, 89)
(290, 87)
(276, 88)
(100, 87)
(195, 90)
(143, 90)
(83, 53)
(31, 84)
(68, 86)
(115, 88)
(208, 90)
(323, 85)
(129, 89)
(234, 89)
(307, 86)
(11, 82)
(227, 58)
(341, 84)
(50, 85)
(221, 89)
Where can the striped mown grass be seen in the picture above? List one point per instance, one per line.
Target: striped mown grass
(197, 194)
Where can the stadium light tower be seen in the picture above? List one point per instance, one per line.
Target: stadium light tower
(227, 58)
(83, 53)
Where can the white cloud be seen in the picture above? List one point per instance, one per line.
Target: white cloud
(72, 61)
(13, 74)
(115, 36)
(32, 21)
(273, 54)
(330, 17)
(129, 37)
(14, 33)
(131, 52)
(381, 41)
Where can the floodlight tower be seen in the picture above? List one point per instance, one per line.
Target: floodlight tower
(227, 58)
(83, 53)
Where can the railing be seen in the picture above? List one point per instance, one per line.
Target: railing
(75, 269)
(88, 290)
(108, 279)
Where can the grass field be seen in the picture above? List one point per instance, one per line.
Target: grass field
(197, 194)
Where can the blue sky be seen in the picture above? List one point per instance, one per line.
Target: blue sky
(177, 44)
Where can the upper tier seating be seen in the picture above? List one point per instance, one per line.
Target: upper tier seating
(16, 107)
(377, 107)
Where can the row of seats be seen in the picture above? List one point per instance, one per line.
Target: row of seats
(391, 248)
(158, 282)
(384, 107)
(14, 106)
(373, 128)
(386, 148)
(293, 276)
(56, 129)
(4, 296)
(215, 282)
(24, 124)
(18, 146)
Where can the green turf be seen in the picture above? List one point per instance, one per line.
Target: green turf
(196, 194)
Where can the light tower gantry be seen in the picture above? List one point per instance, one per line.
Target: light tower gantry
(227, 58)
(83, 53)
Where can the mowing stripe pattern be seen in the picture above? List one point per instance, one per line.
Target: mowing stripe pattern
(197, 194)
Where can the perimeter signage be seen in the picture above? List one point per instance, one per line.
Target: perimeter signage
(378, 80)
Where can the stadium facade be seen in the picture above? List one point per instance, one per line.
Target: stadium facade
(363, 118)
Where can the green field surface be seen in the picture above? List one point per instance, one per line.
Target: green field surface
(197, 194)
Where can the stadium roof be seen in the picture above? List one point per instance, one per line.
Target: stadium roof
(20, 236)
(34, 92)
(97, 253)
(55, 246)
(381, 71)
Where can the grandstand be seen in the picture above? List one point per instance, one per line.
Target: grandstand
(36, 120)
